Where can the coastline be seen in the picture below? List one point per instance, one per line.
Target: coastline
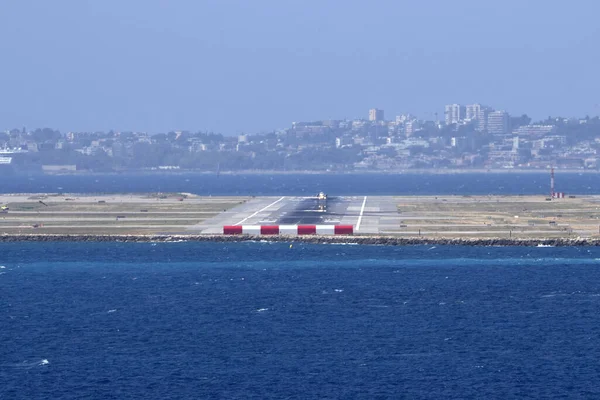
(416, 171)
(357, 240)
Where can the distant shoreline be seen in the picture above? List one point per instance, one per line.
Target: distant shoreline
(426, 171)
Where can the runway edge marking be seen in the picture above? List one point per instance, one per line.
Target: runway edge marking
(362, 210)
(259, 211)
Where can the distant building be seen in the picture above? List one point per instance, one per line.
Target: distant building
(332, 123)
(358, 124)
(460, 143)
(478, 114)
(32, 146)
(472, 111)
(454, 113)
(375, 115)
(515, 147)
(534, 131)
(410, 127)
(498, 122)
(554, 141)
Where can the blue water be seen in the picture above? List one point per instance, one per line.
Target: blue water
(298, 184)
(263, 320)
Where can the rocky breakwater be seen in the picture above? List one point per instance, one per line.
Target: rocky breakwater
(365, 240)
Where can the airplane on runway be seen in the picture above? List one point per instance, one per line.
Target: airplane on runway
(322, 199)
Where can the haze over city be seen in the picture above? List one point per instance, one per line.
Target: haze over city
(244, 67)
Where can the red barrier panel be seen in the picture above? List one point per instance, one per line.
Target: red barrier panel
(343, 229)
(232, 230)
(274, 230)
(269, 230)
(307, 229)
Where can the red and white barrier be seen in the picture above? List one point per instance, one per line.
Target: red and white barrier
(288, 230)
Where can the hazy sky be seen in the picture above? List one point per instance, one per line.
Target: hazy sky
(236, 66)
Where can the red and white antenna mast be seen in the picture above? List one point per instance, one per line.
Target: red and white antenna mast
(552, 182)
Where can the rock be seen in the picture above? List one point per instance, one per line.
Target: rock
(366, 240)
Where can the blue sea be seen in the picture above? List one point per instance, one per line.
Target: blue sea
(297, 321)
(303, 184)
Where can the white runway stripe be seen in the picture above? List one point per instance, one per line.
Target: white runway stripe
(259, 211)
(362, 210)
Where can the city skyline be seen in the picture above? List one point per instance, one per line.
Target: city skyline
(469, 136)
(475, 112)
(468, 112)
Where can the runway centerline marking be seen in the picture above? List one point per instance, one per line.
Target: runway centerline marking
(259, 211)
(362, 210)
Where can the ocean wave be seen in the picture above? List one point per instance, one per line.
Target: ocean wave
(31, 364)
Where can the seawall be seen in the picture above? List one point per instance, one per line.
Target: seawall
(364, 240)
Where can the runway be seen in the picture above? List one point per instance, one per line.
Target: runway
(432, 216)
(288, 211)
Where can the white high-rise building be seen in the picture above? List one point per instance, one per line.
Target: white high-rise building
(375, 115)
(498, 123)
(454, 113)
(478, 113)
(471, 111)
(410, 127)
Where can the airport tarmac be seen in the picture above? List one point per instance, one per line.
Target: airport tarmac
(290, 210)
(368, 214)
(433, 216)
(409, 216)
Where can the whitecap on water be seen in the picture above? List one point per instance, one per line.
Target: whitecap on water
(31, 364)
(2, 267)
(339, 290)
(262, 310)
(111, 311)
(553, 295)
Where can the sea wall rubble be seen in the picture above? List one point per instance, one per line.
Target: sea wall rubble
(365, 240)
